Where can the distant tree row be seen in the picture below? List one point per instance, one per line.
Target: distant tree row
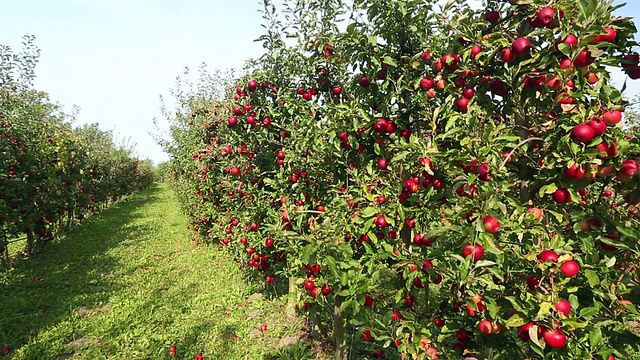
(53, 174)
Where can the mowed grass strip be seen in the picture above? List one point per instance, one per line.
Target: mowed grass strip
(128, 284)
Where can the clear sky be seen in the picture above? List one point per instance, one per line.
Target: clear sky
(113, 58)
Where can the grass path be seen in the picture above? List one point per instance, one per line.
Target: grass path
(129, 284)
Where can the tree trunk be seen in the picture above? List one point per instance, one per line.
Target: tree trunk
(30, 247)
(292, 297)
(4, 256)
(342, 352)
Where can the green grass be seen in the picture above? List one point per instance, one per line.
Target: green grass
(129, 283)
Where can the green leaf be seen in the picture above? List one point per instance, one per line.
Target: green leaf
(547, 189)
(389, 61)
(588, 312)
(592, 277)
(484, 263)
(595, 338)
(440, 231)
(628, 232)
(533, 335)
(368, 212)
(399, 156)
(575, 323)
(515, 321)
(493, 308)
(585, 8)
(611, 262)
(545, 309)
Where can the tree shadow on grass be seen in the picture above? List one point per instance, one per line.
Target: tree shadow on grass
(71, 273)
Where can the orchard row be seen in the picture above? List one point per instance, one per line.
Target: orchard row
(52, 174)
(437, 182)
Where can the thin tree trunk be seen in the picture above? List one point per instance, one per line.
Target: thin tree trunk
(30, 247)
(292, 296)
(342, 352)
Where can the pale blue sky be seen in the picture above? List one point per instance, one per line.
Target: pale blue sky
(114, 58)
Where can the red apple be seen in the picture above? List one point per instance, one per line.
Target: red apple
(537, 212)
(498, 87)
(582, 133)
(566, 64)
(252, 85)
(368, 301)
(462, 105)
(630, 61)
(562, 196)
(633, 72)
(592, 78)
(172, 350)
(491, 224)
(545, 16)
(309, 285)
(364, 81)
(628, 170)
(612, 117)
(492, 16)
(468, 92)
(598, 126)
(609, 36)
(533, 283)
(523, 331)
(485, 327)
(426, 83)
(570, 268)
(477, 251)
(605, 170)
(555, 338)
(380, 221)
(463, 335)
(554, 82)
(382, 164)
(548, 255)
(475, 51)
(450, 61)
(507, 55)
(570, 40)
(584, 58)
(521, 46)
(410, 186)
(563, 306)
(574, 171)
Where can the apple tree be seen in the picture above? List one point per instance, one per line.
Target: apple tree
(437, 179)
